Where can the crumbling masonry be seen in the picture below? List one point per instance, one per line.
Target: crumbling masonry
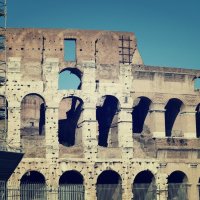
(133, 123)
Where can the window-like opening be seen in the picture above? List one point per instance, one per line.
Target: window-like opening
(198, 121)
(32, 186)
(107, 117)
(69, 78)
(177, 186)
(197, 83)
(70, 50)
(3, 117)
(139, 115)
(109, 186)
(144, 186)
(69, 124)
(71, 186)
(172, 118)
(32, 115)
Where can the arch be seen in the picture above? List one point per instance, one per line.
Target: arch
(172, 117)
(198, 121)
(69, 78)
(140, 115)
(197, 83)
(32, 186)
(109, 186)
(107, 110)
(71, 177)
(69, 130)
(71, 185)
(177, 185)
(144, 186)
(33, 115)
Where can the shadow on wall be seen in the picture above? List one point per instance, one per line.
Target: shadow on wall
(70, 110)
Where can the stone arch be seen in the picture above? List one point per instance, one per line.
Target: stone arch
(140, 119)
(107, 110)
(198, 121)
(33, 109)
(196, 82)
(71, 177)
(173, 117)
(69, 122)
(70, 78)
(177, 185)
(32, 186)
(144, 185)
(109, 185)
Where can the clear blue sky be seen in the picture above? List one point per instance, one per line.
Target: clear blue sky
(168, 31)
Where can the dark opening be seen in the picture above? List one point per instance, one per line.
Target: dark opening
(173, 108)
(69, 113)
(177, 186)
(109, 186)
(32, 177)
(105, 115)
(69, 78)
(109, 177)
(32, 115)
(71, 177)
(144, 186)
(70, 50)
(3, 116)
(139, 114)
(198, 121)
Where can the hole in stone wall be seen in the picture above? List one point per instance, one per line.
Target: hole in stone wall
(107, 117)
(69, 79)
(69, 130)
(71, 177)
(198, 121)
(197, 83)
(32, 115)
(70, 49)
(172, 117)
(139, 114)
(3, 116)
(32, 177)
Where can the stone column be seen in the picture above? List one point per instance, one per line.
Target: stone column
(157, 120)
(125, 135)
(161, 184)
(188, 121)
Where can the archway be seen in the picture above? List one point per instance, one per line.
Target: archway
(69, 132)
(144, 187)
(107, 117)
(69, 78)
(173, 118)
(109, 186)
(32, 186)
(198, 121)
(32, 115)
(71, 186)
(177, 186)
(139, 115)
(3, 117)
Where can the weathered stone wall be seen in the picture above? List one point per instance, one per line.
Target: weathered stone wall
(35, 58)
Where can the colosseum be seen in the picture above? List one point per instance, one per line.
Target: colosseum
(128, 131)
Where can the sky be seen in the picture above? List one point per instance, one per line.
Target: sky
(167, 31)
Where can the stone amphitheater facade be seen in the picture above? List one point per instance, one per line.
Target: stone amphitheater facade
(126, 119)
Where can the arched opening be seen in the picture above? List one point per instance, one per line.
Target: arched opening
(173, 118)
(198, 121)
(109, 186)
(199, 187)
(177, 186)
(32, 115)
(139, 115)
(144, 186)
(32, 186)
(197, 83)
(3, 118)
(69, 78)
(71, 186)
(107, 116)
(69, 127)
